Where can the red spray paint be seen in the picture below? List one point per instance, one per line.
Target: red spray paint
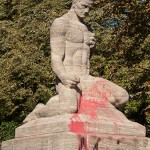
(89, 102)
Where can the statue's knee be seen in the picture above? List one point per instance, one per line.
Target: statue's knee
(125, 97)
(122, 99)
(112, 100)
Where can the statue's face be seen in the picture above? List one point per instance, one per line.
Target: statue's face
(82, 7)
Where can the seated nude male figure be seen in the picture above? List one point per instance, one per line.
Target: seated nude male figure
(71, 43)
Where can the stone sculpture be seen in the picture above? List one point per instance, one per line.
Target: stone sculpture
(83, 116)
(71, 48)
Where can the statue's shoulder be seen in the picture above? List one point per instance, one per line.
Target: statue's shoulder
(61, 21)
(59, 26)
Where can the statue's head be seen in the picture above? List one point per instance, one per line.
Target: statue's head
(81, 7)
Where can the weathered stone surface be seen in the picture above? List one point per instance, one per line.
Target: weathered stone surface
(72, 44)
(70, 141)
(102, 125)
(84, 104)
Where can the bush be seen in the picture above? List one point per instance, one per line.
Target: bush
(122, 55)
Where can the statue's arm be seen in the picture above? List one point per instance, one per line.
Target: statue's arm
(57, 42)
(92, 51)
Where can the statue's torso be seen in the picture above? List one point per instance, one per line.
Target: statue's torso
(76, 51)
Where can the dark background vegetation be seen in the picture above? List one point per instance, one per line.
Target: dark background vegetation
(122, 54)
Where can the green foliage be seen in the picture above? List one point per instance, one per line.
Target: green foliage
(123, 50)
(122, 53)
(7, 130)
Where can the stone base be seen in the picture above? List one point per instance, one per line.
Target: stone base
(102, 132)
(103, 125)
(71, 141)
(53, 134)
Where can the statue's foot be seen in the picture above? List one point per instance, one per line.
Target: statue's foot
(42, 110)
(34, 114)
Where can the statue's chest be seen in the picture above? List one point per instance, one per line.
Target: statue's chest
(75, 32)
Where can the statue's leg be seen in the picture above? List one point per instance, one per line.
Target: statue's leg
(65, 102)
(42, 110)
(119, 96)
(51, 107)
(68, 99)
(34, 114)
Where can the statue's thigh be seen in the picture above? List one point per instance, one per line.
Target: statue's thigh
(115, 94)
(119, 96)
(67, 96)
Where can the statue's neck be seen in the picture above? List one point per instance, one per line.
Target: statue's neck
(74, 16)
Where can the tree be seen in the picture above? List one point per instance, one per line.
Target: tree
(123, 48)
(122, 55)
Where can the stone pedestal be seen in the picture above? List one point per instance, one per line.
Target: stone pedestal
(71, 141)
(54, 134)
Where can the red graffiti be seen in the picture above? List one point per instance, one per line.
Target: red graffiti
(89, 103)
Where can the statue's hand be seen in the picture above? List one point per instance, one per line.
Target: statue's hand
(69, 80)
(90, 39)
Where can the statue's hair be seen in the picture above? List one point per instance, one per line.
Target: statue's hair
(75, 1)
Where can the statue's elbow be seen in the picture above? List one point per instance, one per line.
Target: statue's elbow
(53, 66)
